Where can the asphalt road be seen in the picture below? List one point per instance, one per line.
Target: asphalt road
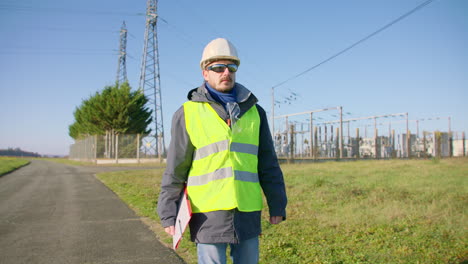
(54, 213)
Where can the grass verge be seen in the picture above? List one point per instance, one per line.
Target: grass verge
(8, 164)
(394, 211)
(140, 190)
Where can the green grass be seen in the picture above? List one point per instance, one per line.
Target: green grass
(140, 190)
(8, 164)
(393, 211)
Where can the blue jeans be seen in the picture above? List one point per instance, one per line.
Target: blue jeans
(246, 252)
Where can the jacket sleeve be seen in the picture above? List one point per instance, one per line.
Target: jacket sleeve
(269, 171)
(179, 161)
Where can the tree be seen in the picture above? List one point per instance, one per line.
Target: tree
(17, 152)
(115, 110)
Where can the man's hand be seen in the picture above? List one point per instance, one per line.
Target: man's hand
(274, 220)
(170, 230)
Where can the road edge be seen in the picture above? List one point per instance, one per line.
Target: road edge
(15, 169)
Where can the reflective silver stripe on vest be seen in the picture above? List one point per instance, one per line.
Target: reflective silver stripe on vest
(244, 148)
(221, 174)
(222, 146)
(206, 178)
(210, 149)
(246, 176)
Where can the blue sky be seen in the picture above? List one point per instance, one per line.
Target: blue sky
(54, 54)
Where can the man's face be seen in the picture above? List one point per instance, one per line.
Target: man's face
(220, 81)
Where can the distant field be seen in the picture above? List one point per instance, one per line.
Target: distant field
(8, 164)
(90, 163)
(395, 211)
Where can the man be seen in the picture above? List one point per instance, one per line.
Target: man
(221, 149)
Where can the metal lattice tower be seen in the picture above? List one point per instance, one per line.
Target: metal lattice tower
(149, 77)
(122, 67)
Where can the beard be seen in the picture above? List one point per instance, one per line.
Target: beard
(224, 85)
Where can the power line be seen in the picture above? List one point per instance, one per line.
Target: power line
(357, 43)
(53, 49)
(14, 53)
(64, 11)
(31, 50)
(201, 19)
(73, 30)
(189, 39)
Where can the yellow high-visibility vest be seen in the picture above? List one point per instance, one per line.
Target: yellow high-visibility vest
(224, 173)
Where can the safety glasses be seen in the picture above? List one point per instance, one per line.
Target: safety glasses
(222, 67)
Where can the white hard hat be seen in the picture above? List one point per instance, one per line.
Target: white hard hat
(219, 49)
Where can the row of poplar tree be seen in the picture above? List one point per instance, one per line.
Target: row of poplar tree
(116, 110)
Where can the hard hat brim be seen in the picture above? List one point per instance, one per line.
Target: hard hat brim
(205, 62)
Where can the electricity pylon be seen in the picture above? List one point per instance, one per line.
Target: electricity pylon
(122, 66)
(149, 77)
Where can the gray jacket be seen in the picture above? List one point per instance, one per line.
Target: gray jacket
(229, 226)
